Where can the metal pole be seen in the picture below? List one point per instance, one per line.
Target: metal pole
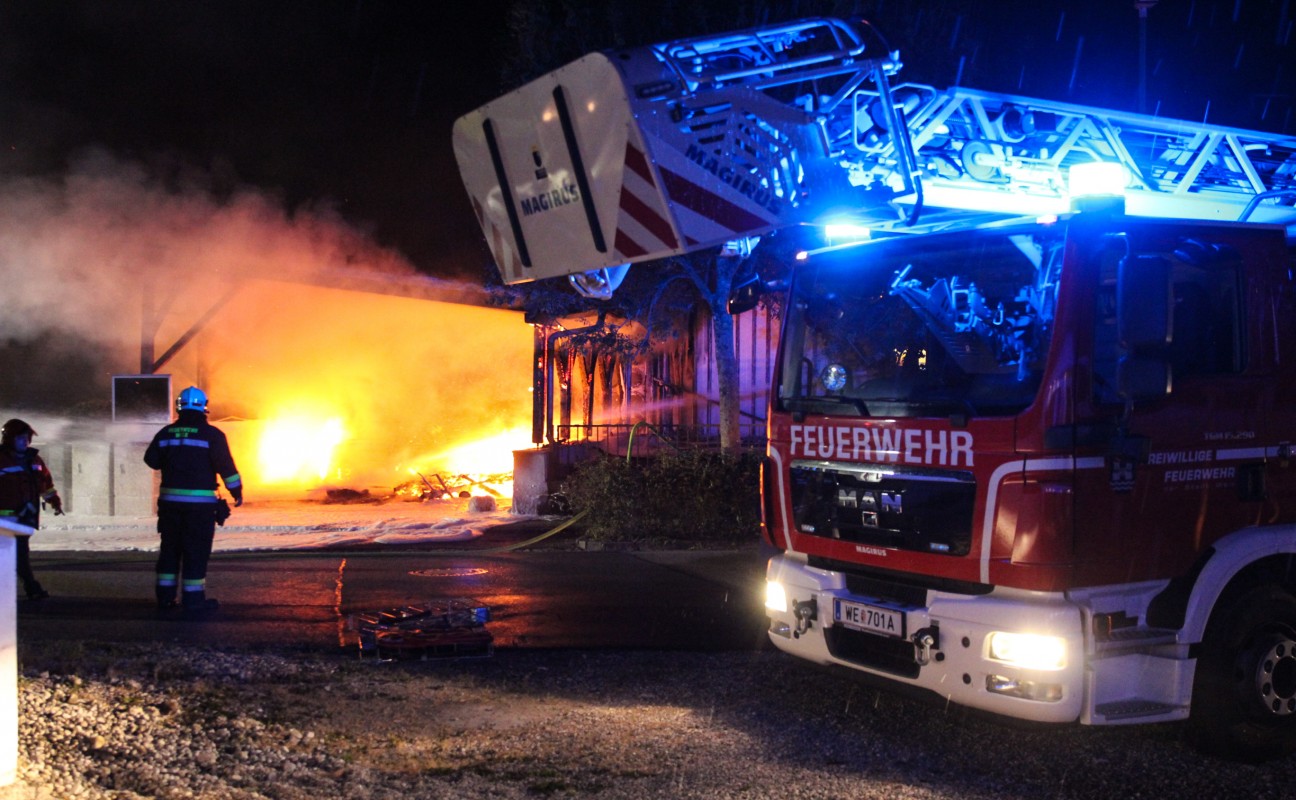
(1143, 6)
(539, 387)
(148, 328)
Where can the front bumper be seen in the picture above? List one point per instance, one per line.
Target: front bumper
(942, 646)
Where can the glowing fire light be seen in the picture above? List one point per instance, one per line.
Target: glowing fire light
(481, 466)
(298, 450)
(490, 455)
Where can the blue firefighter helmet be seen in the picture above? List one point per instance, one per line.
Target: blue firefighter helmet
(192, 399)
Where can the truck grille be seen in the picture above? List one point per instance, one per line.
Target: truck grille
(904, 508)
(895, 656)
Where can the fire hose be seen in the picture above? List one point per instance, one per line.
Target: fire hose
(519, 545)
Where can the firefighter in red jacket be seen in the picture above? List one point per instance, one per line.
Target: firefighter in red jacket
(190, 452)
(25, 484)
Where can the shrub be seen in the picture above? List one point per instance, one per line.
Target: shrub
(692, 495)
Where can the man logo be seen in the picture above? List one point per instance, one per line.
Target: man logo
(893, 503)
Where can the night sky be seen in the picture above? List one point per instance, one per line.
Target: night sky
(341, 103)
(349, 103)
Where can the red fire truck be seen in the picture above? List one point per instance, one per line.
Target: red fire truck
(1030, 444)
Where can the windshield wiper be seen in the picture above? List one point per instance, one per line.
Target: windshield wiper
(929, 407)
(827, 404)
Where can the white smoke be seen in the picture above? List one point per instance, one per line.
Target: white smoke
(77, 254)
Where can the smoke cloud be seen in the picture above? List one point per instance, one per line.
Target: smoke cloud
(77, 252)
(109, 257)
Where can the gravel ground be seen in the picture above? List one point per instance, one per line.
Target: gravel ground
(168, 722)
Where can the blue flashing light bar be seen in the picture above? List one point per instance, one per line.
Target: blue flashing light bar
(841, 232)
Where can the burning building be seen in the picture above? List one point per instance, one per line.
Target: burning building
(329, 361)
(324, 387)
(344, 386)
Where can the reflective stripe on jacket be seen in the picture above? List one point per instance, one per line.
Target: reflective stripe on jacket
(191, 453)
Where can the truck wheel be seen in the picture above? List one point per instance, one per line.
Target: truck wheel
(1244, 694)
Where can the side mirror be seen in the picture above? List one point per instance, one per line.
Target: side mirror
(1145, 326)
(745, 295)
(1144, 304)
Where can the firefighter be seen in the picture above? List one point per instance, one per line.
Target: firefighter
(190, 452)
(25, 484)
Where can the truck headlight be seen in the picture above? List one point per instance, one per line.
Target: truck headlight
(775, 597)
(1028, 650)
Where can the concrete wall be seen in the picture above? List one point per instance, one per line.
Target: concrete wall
(134, 485)
(531, 473)
(538, 473)
(97, 478)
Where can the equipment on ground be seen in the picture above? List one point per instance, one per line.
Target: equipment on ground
(441, 628)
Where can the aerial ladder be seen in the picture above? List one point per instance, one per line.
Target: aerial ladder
(639, 154)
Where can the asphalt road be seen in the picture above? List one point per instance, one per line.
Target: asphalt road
(681, 600)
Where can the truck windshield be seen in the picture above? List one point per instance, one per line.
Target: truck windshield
(935, 325)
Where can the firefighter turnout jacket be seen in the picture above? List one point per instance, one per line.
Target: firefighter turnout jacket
(190, 452)
(24, 482)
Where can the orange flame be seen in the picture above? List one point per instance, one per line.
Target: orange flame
(489, 456)
(342, 386)
(480, 466)
(298, 449)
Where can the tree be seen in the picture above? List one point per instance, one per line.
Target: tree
(712, 275)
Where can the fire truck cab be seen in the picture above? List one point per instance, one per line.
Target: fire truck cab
(1045, 470)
